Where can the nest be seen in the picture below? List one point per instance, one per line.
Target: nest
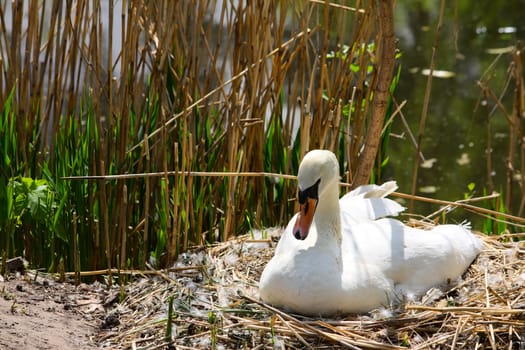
(214, 304)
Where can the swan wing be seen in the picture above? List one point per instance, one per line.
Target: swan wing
(356, 210)
(373, 191)
(414, 259)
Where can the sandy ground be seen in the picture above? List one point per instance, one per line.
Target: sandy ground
(38, 313)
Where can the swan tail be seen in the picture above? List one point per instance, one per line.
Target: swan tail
(463, 237)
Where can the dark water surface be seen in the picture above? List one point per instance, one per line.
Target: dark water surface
(481, 35)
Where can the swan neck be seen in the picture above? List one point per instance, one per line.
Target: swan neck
(328, 215)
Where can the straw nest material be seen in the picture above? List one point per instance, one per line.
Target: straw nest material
(215, 305)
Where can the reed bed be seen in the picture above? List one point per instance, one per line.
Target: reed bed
(96, 88)
(215, 305)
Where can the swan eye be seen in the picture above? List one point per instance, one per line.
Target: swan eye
(302, 197)
(310, 192)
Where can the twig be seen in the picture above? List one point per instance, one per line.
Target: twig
(460, 203)
(297, 335)
(487, 303)
(469, 310)
(459, 328)
(178, 173)
(338, 6)
(307, 326)
(133, 272)
(424, 111)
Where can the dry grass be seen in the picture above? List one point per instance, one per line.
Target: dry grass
(216, 306)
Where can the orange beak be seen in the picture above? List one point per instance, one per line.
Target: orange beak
(305, 218)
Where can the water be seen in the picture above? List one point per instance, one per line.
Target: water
(455, 136)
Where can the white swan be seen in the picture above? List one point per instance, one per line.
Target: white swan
(341, 256)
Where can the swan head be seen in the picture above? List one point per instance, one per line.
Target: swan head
(318, 171)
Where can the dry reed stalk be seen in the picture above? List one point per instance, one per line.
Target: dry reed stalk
(339, 6)
(357, 129)
(75, 250)
(489, 165)
(426, 101)
(147, 183)
(517, 133)
(123, 231)
(386, 50)
(139, 273)
(176, 234)
(105, 218)
(186, 173)
(464, 203)
(495, 106)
